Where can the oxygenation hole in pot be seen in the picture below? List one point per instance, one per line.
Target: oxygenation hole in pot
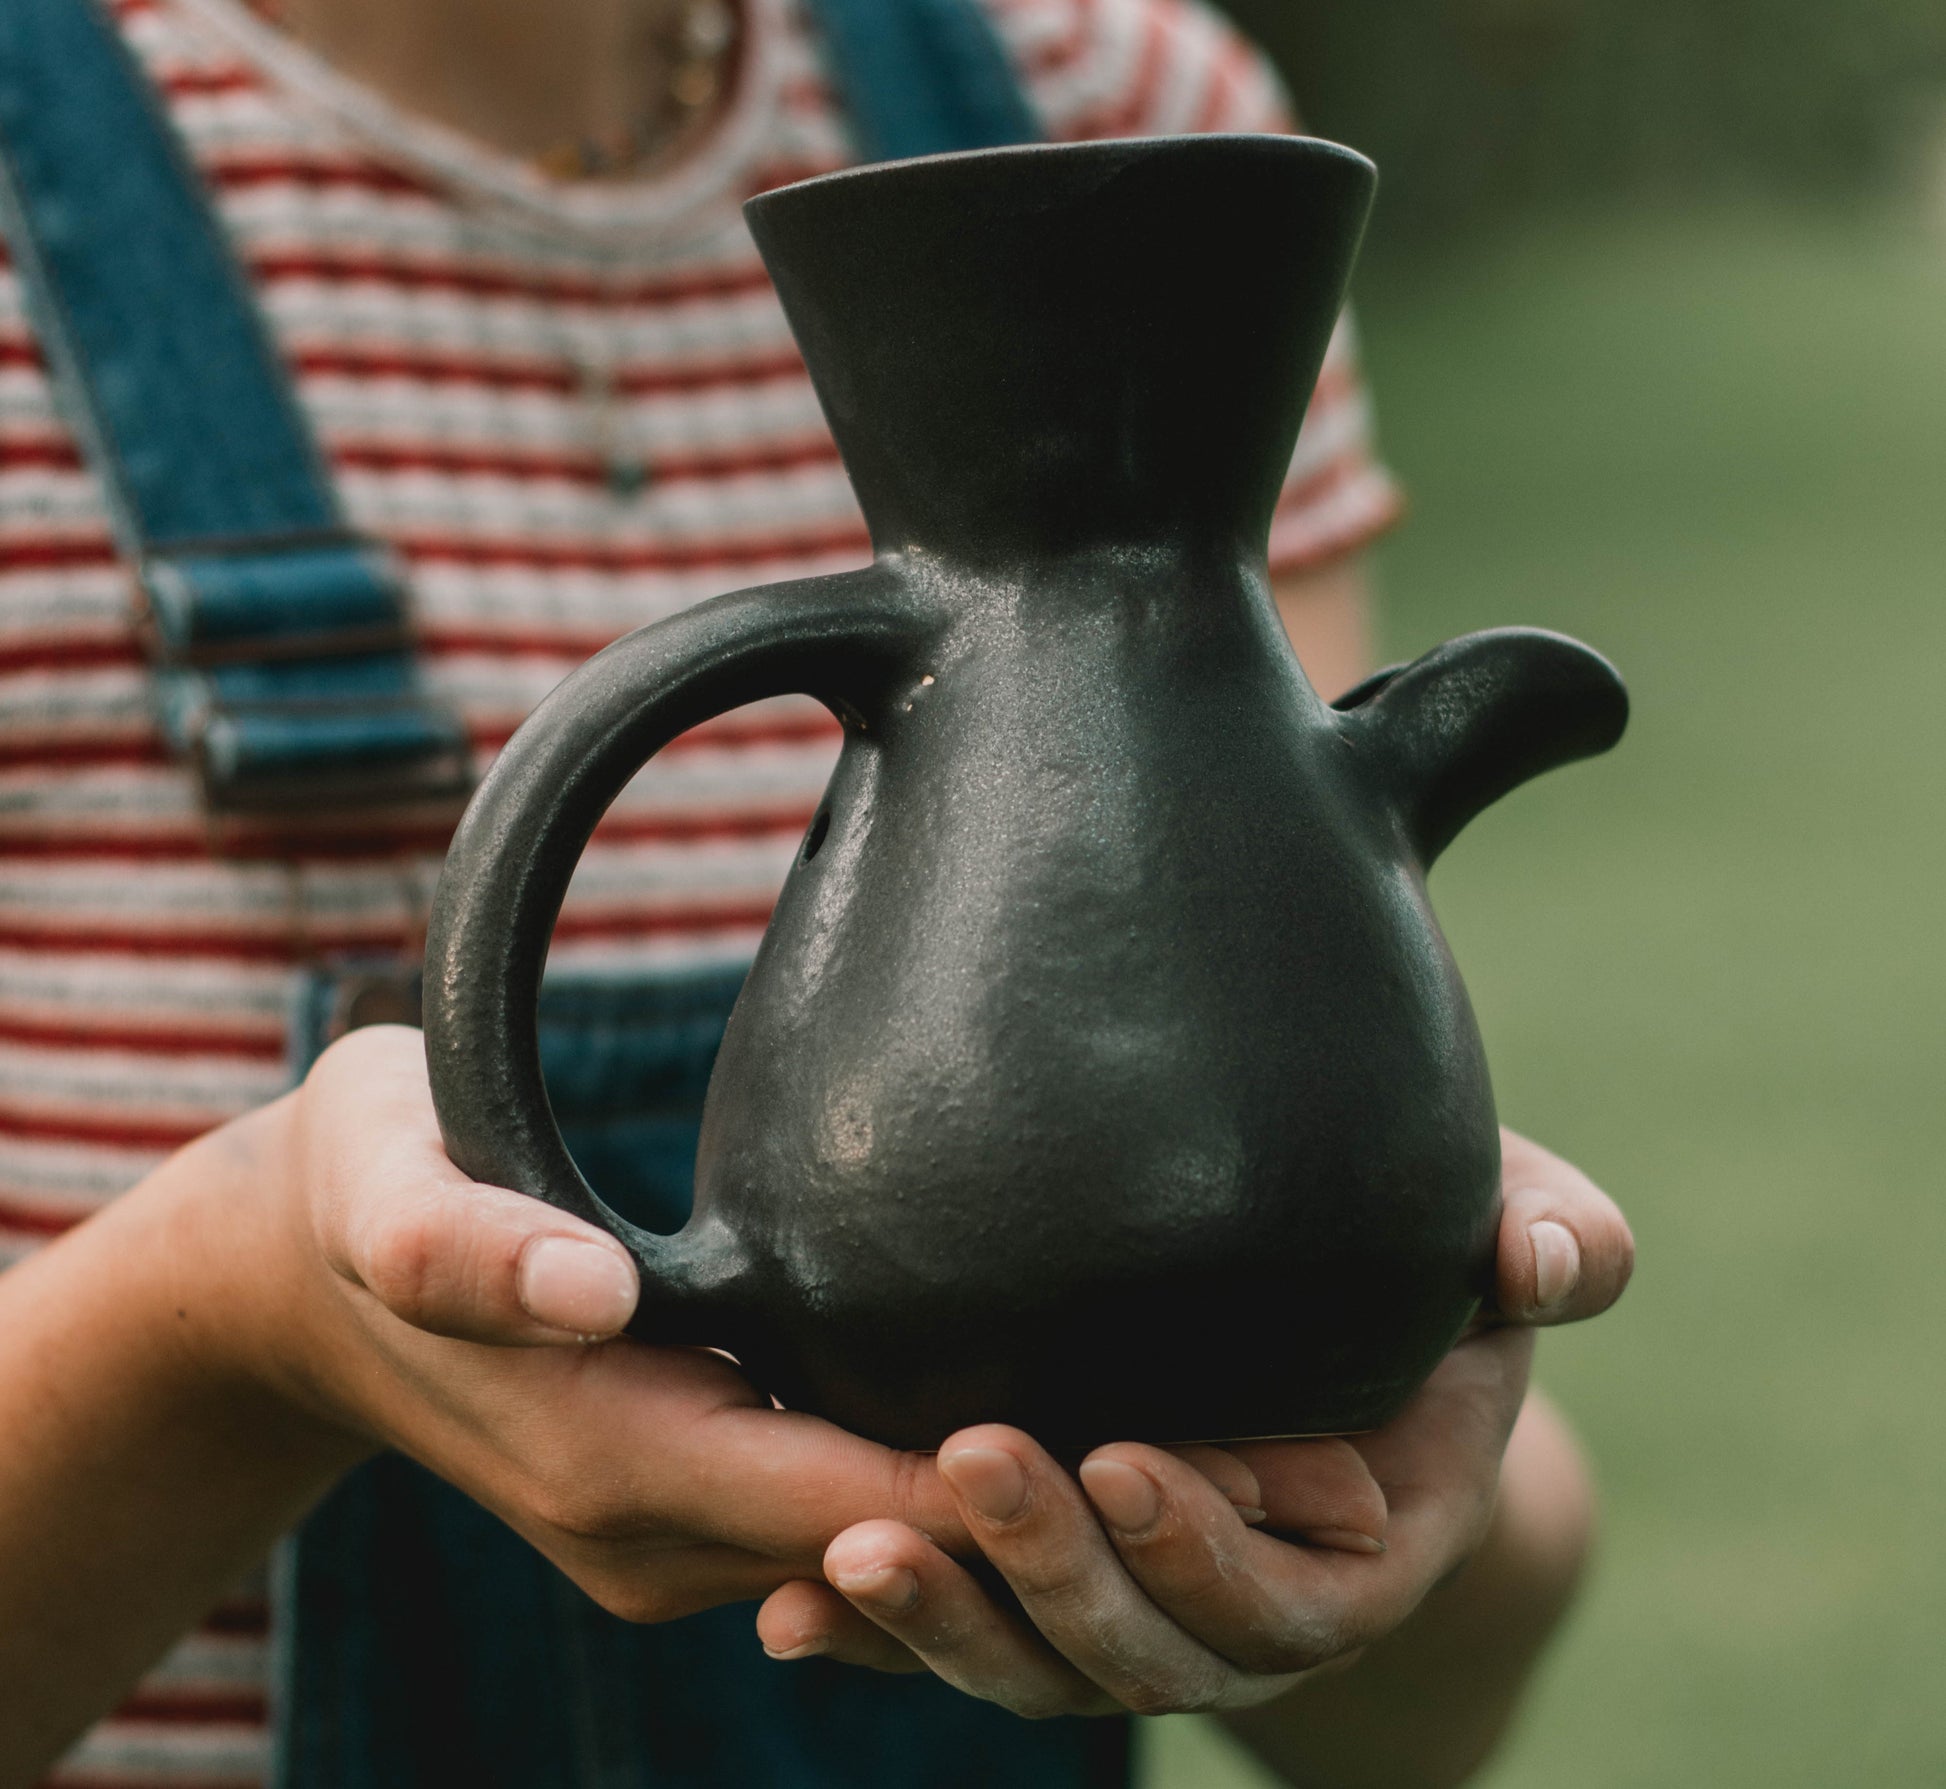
(814, 839)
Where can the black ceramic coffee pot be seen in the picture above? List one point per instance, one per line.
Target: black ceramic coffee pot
(1103, 1069)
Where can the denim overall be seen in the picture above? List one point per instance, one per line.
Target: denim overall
(422, 1643)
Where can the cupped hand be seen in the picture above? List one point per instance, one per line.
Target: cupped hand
(380, 1289)
(1155, 1580)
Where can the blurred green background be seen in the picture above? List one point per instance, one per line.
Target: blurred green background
(1481, 109)
(1684, 395)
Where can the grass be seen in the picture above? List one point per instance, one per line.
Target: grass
(1710, 967)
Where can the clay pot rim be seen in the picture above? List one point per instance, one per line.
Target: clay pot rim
(1113, 151)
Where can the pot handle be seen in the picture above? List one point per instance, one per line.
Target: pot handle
(522, 835)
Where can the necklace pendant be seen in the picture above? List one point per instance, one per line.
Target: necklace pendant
(628, 478)
(624, 468)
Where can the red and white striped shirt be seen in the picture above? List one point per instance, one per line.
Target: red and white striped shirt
(573, 409)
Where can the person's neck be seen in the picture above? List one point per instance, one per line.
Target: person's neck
(523, 76)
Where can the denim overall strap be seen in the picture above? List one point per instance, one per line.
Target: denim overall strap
(923, 77)
(284, 670)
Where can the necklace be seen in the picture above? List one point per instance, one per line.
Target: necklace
(692, 43)
(695, 46)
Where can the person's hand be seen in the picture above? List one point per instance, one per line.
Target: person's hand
(1157, 1581)
(375, 1286)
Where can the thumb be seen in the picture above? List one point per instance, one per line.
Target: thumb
(439, 1251)
(1565, 1250)
(482, 1264)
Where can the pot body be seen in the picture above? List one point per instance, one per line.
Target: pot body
(1103, 1069)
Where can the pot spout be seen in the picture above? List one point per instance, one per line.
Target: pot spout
(1454, 731)
(1041, 350)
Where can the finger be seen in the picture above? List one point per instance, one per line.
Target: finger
(1228, 1473)
(783, 1482)
(1565, 1249)
(936, 1609)
(1321, 1491)
(1263, 1604)
(802, 1620)
(1270, 1608)
(680, 1432)
(482, 1264)
(438, 1250)
(1040, 1533)
(1438, 1461)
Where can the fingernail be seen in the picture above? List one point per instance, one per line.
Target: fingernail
(888, 1587)
(1253, 1517)
(808, 1649)
(579, 1287)
(1124, 1494)
(1557, 1262)
(1343, 1540)
(989, 1478)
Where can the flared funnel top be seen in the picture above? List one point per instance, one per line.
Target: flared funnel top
(1055, 348)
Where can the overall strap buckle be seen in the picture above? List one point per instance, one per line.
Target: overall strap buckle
(286, 678)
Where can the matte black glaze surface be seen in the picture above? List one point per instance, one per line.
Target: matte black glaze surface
(1103, 1069)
